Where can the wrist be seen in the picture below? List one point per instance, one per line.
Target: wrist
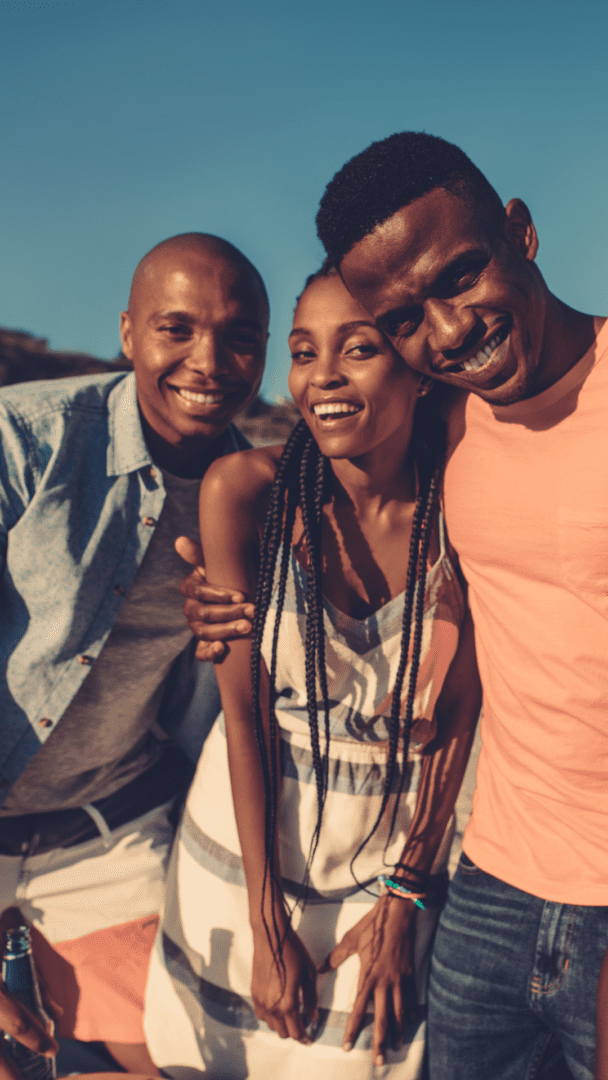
(273, 913)
(392, 886)
(429, 889)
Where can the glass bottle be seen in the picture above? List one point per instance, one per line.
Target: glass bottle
(19, 976)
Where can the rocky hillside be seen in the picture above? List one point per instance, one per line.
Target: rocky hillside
(24, 358)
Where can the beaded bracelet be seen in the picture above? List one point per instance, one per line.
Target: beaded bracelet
(388, 885)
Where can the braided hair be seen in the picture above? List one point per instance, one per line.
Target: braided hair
(303, 480)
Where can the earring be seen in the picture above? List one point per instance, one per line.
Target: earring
(424, 386)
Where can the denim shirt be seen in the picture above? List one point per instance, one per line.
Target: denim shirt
(79, 499)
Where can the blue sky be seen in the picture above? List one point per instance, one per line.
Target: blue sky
(125, 122)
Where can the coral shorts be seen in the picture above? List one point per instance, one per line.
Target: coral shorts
(94, 908)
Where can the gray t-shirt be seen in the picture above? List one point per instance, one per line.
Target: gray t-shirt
(105, 737)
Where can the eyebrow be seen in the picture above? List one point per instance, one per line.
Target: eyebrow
(344, 327)
(177, 316)
(186, 317)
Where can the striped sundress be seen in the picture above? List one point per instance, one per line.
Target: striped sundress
(199, 1011)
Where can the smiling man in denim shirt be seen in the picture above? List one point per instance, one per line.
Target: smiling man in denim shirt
(98, 477)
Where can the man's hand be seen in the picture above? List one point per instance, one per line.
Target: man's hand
(16, 1020)
(384, 940)
(214, 614)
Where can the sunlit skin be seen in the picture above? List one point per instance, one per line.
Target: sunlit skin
(197, 324)
(338, 355)
(443, 286)
(339, 358)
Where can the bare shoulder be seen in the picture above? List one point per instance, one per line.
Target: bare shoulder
(244, 478)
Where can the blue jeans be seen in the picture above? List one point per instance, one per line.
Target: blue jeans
(509, 972)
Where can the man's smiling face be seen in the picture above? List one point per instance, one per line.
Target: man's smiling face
(459, 301)
(196, 331)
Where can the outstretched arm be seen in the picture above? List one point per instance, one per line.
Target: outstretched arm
(233, 497)
(384, 937)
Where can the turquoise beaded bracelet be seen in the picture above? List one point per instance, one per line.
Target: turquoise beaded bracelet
(387, 884)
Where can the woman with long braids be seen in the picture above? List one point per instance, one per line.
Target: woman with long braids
(300, 916)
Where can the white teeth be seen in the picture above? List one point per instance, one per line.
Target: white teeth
(202, 399)
(484, 354)
(333, 408)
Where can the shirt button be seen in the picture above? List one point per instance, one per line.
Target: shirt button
(148, 521)
(46, 722)
(118, 590)
(85, 660)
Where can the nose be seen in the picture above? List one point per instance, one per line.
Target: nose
(327, 371)
(207, 356)
(449, 324)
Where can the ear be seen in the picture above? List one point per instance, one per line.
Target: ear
(519, 227)
(425, 386)
(125, 334)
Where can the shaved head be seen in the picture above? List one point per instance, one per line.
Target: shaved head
(194, 243)
(196, 331)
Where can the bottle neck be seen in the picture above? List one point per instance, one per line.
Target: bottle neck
(17, 942)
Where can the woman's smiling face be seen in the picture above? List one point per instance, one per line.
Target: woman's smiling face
(353, 389)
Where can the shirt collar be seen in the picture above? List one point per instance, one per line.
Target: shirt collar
(127, 450)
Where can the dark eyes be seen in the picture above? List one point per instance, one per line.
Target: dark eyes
(400, 328)
(240, 342)
(302, 355)
(361, 351)
(467, 278)
(463, 277)
(244, 344)
(177, 330)
(458, 279)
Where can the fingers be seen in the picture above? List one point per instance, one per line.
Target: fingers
(210, 651)
(10, 918)
(196, 587)
(309, 997)
(17, 1021)
(295, 1026)
(355, 1019)
(398, 1011)
(381, 1017)
(190, 551)
(288, 1023)
(218, 616)
(216, 624)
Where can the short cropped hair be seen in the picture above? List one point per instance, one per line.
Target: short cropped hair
(390, 174)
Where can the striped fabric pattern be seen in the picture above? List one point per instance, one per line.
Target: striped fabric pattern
(199, 1013)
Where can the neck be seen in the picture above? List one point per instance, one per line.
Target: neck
(187, 461)
(375, 479)
(568, 336)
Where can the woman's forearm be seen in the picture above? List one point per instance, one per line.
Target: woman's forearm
(248, 789)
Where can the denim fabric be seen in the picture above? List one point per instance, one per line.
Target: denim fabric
(79, 500)
(509, 971)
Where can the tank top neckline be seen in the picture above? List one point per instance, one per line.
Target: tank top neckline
(383, 612)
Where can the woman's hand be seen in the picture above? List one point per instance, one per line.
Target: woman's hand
(283, 988)
(384, 941)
